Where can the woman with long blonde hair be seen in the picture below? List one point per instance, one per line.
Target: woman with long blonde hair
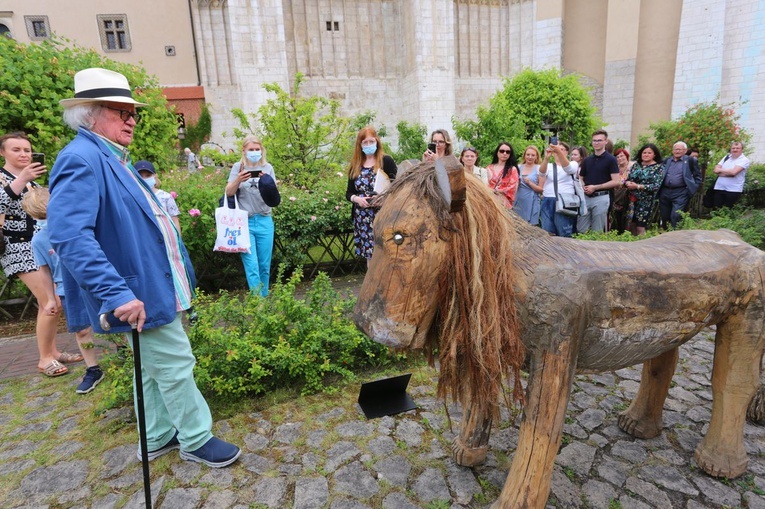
(528, 199)
(368, 164)
(253, 181)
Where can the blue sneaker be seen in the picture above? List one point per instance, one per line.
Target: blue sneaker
(215, 453)
(93, 376)
(170, 446)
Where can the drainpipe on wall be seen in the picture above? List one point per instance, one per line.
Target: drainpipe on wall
(194, 41)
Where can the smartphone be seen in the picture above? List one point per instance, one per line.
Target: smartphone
(553, 140)
(432, 147)
(38, 157)
(256, 174)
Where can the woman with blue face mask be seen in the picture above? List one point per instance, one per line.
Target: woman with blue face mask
(245, 181)
(367, 164)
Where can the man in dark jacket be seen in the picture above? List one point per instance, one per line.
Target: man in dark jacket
(682, 178)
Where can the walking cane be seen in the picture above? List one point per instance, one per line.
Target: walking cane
(141, 412)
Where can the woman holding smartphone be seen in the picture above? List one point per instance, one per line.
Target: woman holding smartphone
(253, 181)
(16, 179)
(440, 145)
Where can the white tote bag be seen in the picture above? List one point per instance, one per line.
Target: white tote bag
(233, 232)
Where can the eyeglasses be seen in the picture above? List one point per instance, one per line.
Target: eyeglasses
(126, 115)
(598, 141)
(367, 143)
(503, 151)
(439, 142)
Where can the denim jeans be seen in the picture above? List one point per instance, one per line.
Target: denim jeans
(552, 222)
(257, 263)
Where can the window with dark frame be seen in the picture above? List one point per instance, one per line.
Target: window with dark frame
(333, 26)
(114, 32)
(38, 27)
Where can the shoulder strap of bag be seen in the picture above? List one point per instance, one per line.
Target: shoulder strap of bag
(555, 179)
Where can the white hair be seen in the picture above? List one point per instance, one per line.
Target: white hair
(82, 115)
(684, 145)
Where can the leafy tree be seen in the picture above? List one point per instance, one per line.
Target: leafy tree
(708, 127)
(528, 101)
(36, 76)
(411, 141)
(306, 138)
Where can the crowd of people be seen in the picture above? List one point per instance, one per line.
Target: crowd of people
(111, 246)
(616, 192)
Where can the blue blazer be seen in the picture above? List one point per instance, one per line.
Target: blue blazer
(108, 241)
(691, 172)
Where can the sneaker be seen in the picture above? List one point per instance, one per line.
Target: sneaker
(170, 446)
(93, 376)
(215, 453)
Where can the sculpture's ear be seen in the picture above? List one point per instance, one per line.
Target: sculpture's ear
(450, 177)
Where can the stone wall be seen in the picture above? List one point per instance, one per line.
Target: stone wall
(714, 62)
(422, 61)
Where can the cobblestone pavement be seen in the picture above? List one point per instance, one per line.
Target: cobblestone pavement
(338, 459)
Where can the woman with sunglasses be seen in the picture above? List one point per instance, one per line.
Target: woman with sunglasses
(468, 159)
(503, 174)
(439, 139)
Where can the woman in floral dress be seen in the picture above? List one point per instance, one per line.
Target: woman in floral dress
(367, 161)
(643, 185)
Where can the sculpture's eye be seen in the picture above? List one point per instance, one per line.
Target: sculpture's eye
(398, 239)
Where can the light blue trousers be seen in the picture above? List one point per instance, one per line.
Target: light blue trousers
(257, 263)
(170, 394)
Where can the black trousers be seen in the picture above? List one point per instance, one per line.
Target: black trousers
(725, 199)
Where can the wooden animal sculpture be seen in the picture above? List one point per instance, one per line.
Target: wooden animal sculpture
(453, 273)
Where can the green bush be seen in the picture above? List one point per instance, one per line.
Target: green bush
(254, 345)
(305, 216)
(411, 141)
(755, 177)
(300, 221)
(197, 196)
(249, 345)
(708, 127)
(749, 224)
(198, 133)
(36, 76)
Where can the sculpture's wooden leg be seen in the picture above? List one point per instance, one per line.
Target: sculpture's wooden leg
(755, 413)
(735, 378)
(549, 389)
(643, 418)
(470, 446)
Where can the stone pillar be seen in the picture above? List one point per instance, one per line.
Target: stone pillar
(428, 85)
(241, 46)
(621, 56)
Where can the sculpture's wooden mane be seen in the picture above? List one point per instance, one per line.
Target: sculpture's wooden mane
(476, 332)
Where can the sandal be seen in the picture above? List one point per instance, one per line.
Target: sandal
(68, 358)
(54, 368)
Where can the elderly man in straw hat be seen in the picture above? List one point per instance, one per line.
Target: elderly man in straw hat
(123, 256)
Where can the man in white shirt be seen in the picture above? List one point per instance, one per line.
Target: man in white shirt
(731, 174)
